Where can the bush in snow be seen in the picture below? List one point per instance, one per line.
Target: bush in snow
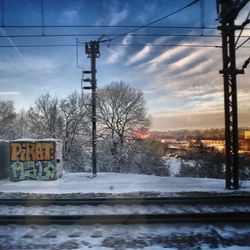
(206, 163)
(7, 120)
(244, 168)
(78, 159)
(132, 157)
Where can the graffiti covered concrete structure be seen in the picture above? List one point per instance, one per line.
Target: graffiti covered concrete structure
(35, 159)
(4, 159)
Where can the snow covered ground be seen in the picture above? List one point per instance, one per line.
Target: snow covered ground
(117, 183)
(175, 165)
(120, 237)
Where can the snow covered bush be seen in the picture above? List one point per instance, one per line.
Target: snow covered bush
(244, 168)
(207, 163)
(7, 120)
(78, 159)
(132, 157)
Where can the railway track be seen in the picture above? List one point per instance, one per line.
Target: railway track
(228, 217)
(130, 201)
(132, 218)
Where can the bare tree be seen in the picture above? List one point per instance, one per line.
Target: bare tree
(7, 119)
(75, 121)
(21, 124)
(121, 110)
(45, 118)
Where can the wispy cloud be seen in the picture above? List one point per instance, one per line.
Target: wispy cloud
(68, 16)
(9, 93)
(31, 64)
(194, 58)
(189, 120)
(115, 54)
(140, 55)
(114, 15)
(160, 59)
(117, 16)
(41, 64)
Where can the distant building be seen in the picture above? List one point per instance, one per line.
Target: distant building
(247, 135)
(168, 139)
(218, 144)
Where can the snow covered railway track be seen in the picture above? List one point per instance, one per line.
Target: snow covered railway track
(211, 218)
(196, 200)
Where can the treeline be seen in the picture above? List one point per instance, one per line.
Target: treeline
(121, 110)
(202, 134)
(205, 162)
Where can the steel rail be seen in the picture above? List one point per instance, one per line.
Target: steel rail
(225, 199)
(227, 217)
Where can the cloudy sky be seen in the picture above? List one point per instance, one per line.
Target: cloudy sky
(182, 86)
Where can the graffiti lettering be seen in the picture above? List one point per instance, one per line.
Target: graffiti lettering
(34, 160)
(33, 170)
(28, 151)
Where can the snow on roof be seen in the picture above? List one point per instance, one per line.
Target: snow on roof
(3, 140)
(23, 139)
(36, 140)
(117, 183)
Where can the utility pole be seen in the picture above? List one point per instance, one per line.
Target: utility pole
(229, 10)
(93, 52)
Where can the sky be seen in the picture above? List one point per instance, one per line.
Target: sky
(182, 85)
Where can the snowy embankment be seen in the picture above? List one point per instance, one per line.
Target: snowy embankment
(117, 183)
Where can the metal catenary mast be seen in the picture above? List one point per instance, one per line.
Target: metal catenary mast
(228, 12)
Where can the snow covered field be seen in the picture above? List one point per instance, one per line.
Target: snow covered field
(117, 183)
(120, 237)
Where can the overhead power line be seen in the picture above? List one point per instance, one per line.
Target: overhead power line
(103, 26)
(244, 66)
(155, 21)
(111, 34)
(106, 26)
(116, 45)
(112, 45)
(166, 45)
(243, 43)
(239, 36)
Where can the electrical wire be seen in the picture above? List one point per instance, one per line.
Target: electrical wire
(113, 34)
(244, 66)
(104, 26)
(166, 45)
(155, 21)
(116, 45)
(239, 36)
(242, 43)
(112, 45)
